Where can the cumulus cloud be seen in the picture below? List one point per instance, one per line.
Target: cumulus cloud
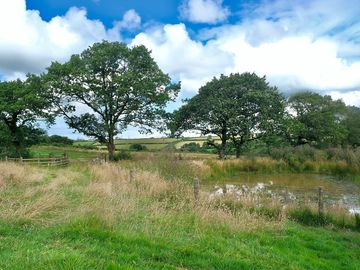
(298, 45)
(204, 11)
(131, 21)
(187, 60)
(309, 46)
(29, 44)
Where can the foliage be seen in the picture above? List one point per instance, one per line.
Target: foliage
(120, 86)
(239, 107)
(317, 120)
(352, 124)
(196, 147)
(122, 155)
(54, 140)
(21, 104)
(137, 147)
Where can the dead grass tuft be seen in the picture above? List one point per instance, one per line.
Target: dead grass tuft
(18, 175)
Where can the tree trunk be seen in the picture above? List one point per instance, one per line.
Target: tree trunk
(221, 152)
(222, 148)
(111, 149)
(238, 151)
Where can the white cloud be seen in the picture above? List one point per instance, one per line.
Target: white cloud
(291, 62)
(307, 45)
(29, 44)
(204, 11)
(131, 21)
(350, 98)
(187, 60)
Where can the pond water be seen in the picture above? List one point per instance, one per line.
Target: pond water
(299, 188)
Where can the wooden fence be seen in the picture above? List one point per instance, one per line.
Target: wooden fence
(43, 160)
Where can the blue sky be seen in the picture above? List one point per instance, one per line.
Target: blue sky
(298, 45)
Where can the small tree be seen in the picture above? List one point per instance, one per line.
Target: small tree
(117, 86)
(21, 105)
(239, 107)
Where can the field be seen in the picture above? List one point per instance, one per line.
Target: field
(152, 144)
(101, 216)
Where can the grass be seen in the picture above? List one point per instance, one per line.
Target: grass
(96, 217)
(72, 152)
(91, 244)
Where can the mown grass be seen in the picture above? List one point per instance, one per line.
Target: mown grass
(97, 217)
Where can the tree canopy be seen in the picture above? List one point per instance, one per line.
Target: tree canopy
(238, 107)
(108, 87)
(22, 103)
(319, 119)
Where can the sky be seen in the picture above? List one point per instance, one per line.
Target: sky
(299, 45)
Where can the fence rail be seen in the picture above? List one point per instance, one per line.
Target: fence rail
(43, 160)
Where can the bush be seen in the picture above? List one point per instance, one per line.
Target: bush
(137, 147)
(357, 221)
(87, 146)
(60, 140)
(191, 147)
(122, 155)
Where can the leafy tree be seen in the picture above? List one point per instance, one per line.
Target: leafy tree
(117, 86)
(318, 119)
(21, 105)
(352, 124)
(239, 107)
(59, 140)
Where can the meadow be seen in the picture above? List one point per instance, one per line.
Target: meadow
(142, 214)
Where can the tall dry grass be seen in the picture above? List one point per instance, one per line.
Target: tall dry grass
(141, 202)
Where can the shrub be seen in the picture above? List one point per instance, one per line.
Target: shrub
(357, 221)
(137, 147)
(191, 147)
(122, 155)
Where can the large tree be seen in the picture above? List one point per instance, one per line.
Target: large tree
(239, 107)
(320, 119)
(22, 103)
(113, 86)
(352, 124)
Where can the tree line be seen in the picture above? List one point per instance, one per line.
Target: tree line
(241, 108)
(110, 86)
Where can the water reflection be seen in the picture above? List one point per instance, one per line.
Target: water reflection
(300, 187)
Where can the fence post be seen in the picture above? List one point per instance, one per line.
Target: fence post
(6, 158)
(65, 161)
(196, 189)
(21, 159)
(132, 175)
(320, 201)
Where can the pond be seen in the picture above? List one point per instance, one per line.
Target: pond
(298, 187)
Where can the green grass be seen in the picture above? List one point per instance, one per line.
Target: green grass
(72, 153)
(93, 217)
(91, 244)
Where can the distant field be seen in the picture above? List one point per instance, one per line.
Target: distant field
(152, 144)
